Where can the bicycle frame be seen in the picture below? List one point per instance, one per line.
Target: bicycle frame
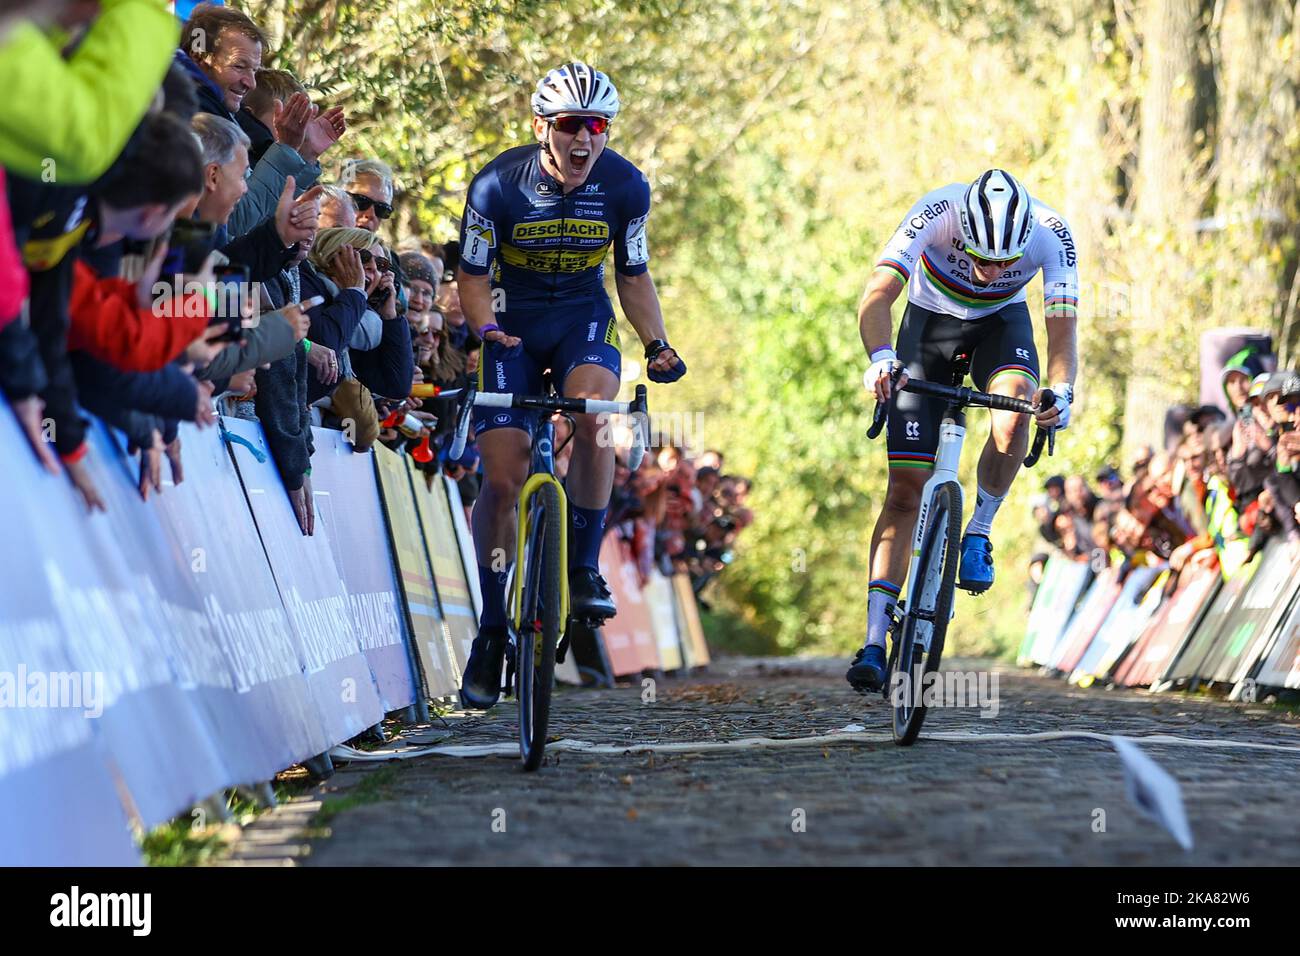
(952, 436)
(541, 473)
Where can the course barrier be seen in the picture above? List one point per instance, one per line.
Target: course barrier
(160, 652)
(1155, 629)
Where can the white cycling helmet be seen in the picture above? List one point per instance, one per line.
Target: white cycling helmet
(576, 88)
(996, 216)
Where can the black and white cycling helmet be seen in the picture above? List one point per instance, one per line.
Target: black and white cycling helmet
(996, 216)
(575, 88)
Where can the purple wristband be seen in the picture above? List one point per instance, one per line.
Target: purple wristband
(490, 327)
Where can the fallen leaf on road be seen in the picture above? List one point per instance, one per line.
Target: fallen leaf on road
(631, 813)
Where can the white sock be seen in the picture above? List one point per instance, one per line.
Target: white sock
(986, 506)
(882, 596)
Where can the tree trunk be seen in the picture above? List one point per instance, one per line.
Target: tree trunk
(1169, 194)
(1258, 111)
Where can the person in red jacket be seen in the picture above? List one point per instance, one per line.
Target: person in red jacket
(116, 321)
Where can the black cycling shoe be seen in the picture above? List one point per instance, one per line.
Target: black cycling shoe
(589, 597)
(867, 672)
(481, 685)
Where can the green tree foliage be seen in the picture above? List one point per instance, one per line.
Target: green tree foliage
(784, 141)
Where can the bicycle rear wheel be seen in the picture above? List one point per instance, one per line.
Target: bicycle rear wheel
(539, 629)
(929, 607)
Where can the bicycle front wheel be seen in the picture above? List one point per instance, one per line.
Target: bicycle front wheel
(929, 607)
(540, 623)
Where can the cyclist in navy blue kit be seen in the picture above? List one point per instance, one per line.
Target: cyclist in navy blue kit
(538, 224)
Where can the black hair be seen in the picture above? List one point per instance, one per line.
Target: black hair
(162, 164)
(180, 95)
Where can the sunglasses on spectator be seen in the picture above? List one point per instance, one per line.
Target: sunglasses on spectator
(382, 209)
(1291, 404)
(572, 124)
(382, 264)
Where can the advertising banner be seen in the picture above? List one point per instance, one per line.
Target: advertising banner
(466, 542)
(313, 593)
(1250, 629)
(448, 571)
(440, 675)
(349, 512)
(126, 595)
(688, 622)
(1064, 582)
(58, 802)
(1168, 629)
(1282, 665)
(659, 598)
(1138, 600)
(629, 635)
(1188, 664)
(1097, 602)
(264, 716)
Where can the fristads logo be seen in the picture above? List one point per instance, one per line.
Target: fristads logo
(554, 228)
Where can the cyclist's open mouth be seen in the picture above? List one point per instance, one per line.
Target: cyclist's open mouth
(578, 159)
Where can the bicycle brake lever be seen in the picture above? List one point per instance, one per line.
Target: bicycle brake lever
(882, 408)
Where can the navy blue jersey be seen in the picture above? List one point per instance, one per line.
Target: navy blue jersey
(544, 248)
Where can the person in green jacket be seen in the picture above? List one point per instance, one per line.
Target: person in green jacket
(66, 119)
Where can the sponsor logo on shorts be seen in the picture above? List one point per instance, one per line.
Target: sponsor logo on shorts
(578, 520)
(591, 331)
(501, 419)
(591, 358)
(913, 431)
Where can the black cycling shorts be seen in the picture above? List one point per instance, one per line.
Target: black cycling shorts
(999, 344)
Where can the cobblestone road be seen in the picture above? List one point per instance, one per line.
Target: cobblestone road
(939, 802)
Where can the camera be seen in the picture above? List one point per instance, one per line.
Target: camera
(188, 246)
(232, 282)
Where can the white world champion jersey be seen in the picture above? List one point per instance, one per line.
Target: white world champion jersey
(927, 251)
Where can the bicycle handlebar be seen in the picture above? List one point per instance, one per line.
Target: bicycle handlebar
(961, 395)
(636, 409)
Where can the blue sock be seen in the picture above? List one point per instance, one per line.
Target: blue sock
(584, 543)
(493, 585)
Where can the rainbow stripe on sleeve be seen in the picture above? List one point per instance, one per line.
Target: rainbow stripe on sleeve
(1067, 304)
(896, 267)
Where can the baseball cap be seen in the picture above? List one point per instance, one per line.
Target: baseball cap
(1290, 383)
(1257, 385)
(1277, 382)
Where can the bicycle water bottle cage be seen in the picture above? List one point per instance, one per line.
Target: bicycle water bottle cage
(960, 368)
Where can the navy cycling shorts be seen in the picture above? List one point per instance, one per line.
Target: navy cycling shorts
(559, 340)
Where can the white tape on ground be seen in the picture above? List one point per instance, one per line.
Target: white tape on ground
(853, 733)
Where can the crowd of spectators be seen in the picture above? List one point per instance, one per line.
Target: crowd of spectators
(185, 234)
(679, 514)
(213, 249)
(1213, 497)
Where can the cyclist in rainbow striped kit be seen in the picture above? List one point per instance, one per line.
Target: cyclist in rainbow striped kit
(966, 254)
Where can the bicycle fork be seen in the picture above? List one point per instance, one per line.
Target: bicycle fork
(952, 435)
